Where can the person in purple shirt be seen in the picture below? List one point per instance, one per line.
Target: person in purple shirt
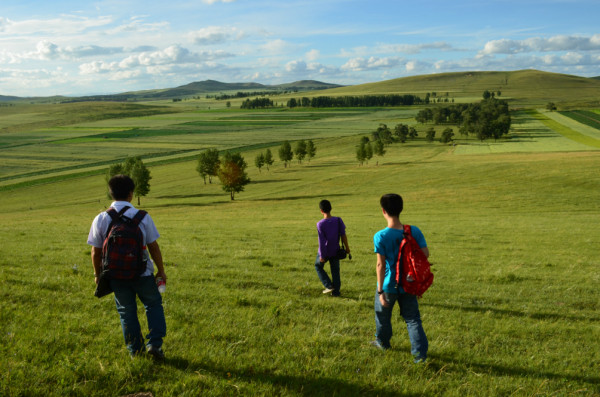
(330, 229)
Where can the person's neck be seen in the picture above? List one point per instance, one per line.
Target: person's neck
(394, 223)
(326, 215)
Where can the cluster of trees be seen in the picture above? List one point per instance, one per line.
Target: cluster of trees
(489, 118)
(355, 101)
(133, 167)
(230, 169)
(304, 149)
(264, 159)
(241, 94)
(257, 103)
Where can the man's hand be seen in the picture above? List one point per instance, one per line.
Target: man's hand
(382, 300)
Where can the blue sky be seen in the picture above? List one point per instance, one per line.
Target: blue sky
(67, 47)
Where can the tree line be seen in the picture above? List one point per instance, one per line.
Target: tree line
(489, 118)
(355, 101)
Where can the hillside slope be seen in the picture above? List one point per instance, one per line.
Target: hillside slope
(520, 87)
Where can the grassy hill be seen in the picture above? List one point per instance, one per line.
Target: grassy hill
(523, 87)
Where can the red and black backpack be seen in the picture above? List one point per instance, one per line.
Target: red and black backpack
(413, 270)
(123, 248)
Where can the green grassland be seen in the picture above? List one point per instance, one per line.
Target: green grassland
(511, 226)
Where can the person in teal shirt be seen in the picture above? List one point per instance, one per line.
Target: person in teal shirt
(387, 244)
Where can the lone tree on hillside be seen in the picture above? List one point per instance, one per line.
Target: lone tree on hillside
(259, 161)
(379, 149)
(208, 164)
(311, 150)
(268, 159)
(285, 153)
(133, 167)
(551, 106)
(430, 134)
(232, 173)
(447, 135)
(300, 150)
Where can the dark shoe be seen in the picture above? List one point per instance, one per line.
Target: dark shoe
(156, 353)
(335, 293)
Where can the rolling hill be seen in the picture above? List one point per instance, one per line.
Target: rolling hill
(519, 87)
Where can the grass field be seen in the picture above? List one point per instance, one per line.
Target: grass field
(511, 226)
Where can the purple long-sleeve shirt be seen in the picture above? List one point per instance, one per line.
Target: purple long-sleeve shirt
(329, 231)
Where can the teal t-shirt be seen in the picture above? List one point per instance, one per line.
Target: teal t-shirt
(387, 243)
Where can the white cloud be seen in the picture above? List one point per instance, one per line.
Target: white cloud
(373, 63)
(215, 35)
(313, 55)
(537, 44)
(277, 46)
(413, 48)
(295, 67)
(65, 25)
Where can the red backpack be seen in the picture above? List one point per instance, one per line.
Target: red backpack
(123, 248)
(412, 268)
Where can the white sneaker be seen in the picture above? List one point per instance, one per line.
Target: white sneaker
(327, 290)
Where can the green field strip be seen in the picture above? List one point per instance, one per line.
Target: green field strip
(564, 130)
(588, 118)
(90, 165)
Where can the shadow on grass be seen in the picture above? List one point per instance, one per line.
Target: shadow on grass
(274, 181)
(184, 196)
(169, 205)
(302, 385)
(513, 313)
(501, 370)
(321, 196)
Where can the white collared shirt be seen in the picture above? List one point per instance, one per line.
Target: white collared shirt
(102, 221)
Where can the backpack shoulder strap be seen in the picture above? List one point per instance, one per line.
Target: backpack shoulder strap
(407, 230)
(139, 216)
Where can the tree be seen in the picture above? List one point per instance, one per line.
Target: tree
(447, 135)
(268, 159)
(551, 106)
(208, 164)
(134, 168)
(259, 161)
(285, 153)
(300, 150)
(311, 150)
(430, 134)
(383, 133)
(368, 152)
(487, 94)
(232, 173)
(412, 133)
(228, 104)
(379, 148)
(361, 154)
(401, 131)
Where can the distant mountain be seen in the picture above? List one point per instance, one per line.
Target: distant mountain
(201, 88)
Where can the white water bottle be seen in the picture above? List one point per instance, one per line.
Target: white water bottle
(162, 285)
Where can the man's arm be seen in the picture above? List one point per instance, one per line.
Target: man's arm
(97, 262)
(156, 255)
(345, 241)
(381, 277)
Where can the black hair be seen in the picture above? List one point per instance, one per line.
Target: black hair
(392, 204)
(325, 206)
(120, 187)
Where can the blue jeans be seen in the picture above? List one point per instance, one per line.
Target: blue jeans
(409, 309)
(334, 282)
(125, 293)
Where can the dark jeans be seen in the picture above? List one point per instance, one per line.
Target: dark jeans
(334, 282)
(125, 297)
(409, 309)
